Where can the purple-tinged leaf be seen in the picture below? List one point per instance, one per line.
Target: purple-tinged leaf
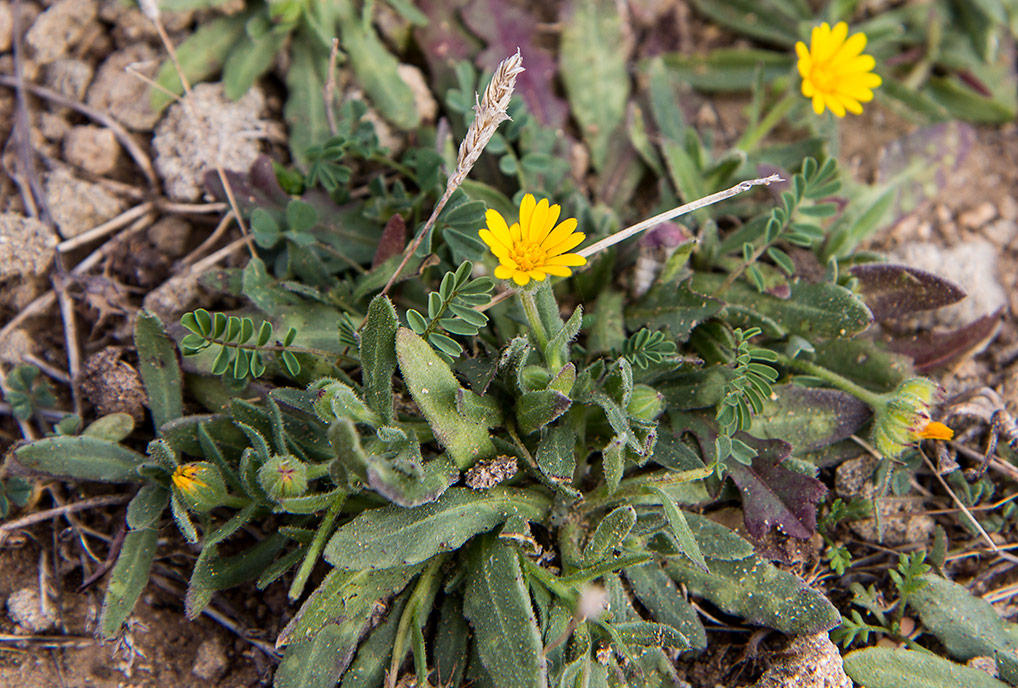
(932, 349)
(506, 26)
(893, 291)
(772, 495)
(444, 41)
(392, 242)
(809, 418)
(257, 188)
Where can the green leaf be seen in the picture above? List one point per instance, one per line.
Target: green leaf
(815, 311)
(252, 58)
(759, 592)
(451, 640)
(556, 455)
(536, 409)
(345, 600)
(378, 355)
(679, 309)
(128, 580)
(505, 628)
(84, 458)
(393, 535)
(376, 68)
(680, 528)
(435, 389)
(369, 668)
(304, 110)
(315, 663)
(881, 667)
(147, 506)
(157, 363)
(968, 626)
(808, 418)
(200, 55)
(595, 78)
(214, 572)
(727, 69)
(609, 534)
(114, 427)
(658, 594)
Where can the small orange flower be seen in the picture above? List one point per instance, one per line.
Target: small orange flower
(185, 477)
(835, 74)
(534, 247)
(935, 431)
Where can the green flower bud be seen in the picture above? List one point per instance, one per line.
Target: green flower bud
(535, 377)
(336, 400)
(904, 418)
(645, 403)
(283, 476)
(200, 486)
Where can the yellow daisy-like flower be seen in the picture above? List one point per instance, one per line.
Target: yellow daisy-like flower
(534, 247)
(185, 477)
(835, 74)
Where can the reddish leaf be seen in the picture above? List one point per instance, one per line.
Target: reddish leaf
(892, 291)
(932, 349)
(506, 26)
(444, 41)
(392, 242)
(809, 417)
(772, 495)
(255, 188)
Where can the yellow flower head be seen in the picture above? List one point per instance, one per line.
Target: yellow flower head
(835, 73)
(534, 247)
(185, 477)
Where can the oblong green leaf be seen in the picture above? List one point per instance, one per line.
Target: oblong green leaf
(505, 628)
(85, 458)
(882, 667)
(157, 364)
(147, 506)
(128, 580)
(393, 535)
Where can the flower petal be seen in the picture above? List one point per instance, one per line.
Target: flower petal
(808, 89)
(556, 270)
(504, 272)
(805, 61)
(567, 244)
(496, 246)
(532, 232)
(567, 260)
(499, 228)
(558, 235)
(818, 103)
(834, 104)
(527, 206)
(521, 278)
(850, 49)
(536, 275)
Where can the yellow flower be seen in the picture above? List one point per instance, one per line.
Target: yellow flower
(185, 477)
(534, 247)
(835, 73)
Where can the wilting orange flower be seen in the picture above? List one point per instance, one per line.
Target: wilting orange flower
(534, 247)
(835, 74)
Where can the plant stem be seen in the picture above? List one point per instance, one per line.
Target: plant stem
(529, 304)
(315, 548)
(752, 137)
(843, 383)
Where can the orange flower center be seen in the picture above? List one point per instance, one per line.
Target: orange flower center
(822, 78)
(528, 256)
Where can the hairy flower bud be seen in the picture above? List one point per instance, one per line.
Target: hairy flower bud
(904, 419)
(283, 476)
(645, 403)
(200, 486)
(336, 400)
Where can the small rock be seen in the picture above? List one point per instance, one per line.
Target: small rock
(985, 664)
(901, 519)
(59, 28)
(427, 106)
(15, 346)
(25, 609)
(170, 236)
(186, 148)
(130, 26)
(811, 661)
(27, 247)
(112, 385)
(6, 26)
(52, 127)
(972, 266)
(78, 205)
(123, 95)
(210, 662)
(978, 216)
(69, 77)
(92, 148)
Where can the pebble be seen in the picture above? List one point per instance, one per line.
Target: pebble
(57, 30)
(125, 96)
(69, 77)
(78, 205)
(92, 148)
(6, 26)
(27, 246)
(185, 148)
(978, 216)
(210, 662)
(810, 661)
(170, 235)
(25, 610)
